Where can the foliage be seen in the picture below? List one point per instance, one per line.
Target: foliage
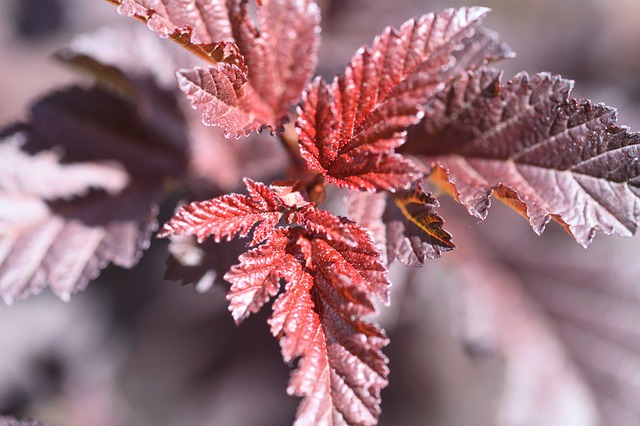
(421, 104)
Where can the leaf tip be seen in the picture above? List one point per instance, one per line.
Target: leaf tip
(166, 231)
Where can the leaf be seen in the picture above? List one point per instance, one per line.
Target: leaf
(414, 228)
(584, 300)
(122, 56)
(197, 25)
(280, 57)
(482, 48)
(11, 421)
(541, 384)
(64, 244)
(228, 216)
(260, 69)
(342, 369)
(353, 243)
(349, 130)
(405, 224)
(592, 302)
(331, 269)
(80, 187)
(225, 98)
(43, 175)
(256, 279)
(147, 136)
(141, 67)
(483, 137)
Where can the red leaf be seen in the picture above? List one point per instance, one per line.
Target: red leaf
(257, 79)
(281, 53)
(342, 369)
(487, 137)
(331, 269)
(280, 56)
(255, 279)
(349, 130)
(229, 215)
(354, 243)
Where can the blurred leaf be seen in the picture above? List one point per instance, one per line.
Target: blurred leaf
(593, 302)
(11, 421)
(123, 56)
(542, 385)
(80, 189)
(65, 243)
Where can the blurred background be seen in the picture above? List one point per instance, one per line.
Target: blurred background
(510, 329)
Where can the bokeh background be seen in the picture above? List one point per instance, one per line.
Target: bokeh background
(510, 329)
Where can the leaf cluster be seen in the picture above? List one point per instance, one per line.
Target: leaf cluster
(422, 105)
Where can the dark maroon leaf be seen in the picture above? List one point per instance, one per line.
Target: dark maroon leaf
(64, 244)
(546, 155)
(350, 129)
(84, 179)
(148, 137)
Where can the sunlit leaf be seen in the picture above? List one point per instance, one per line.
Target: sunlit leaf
(546, 155)
(258, 69)
(349, 130)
